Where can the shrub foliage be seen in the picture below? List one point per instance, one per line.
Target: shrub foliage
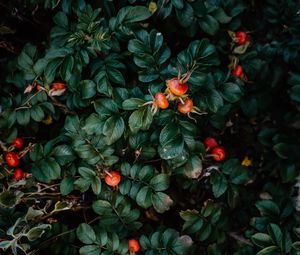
(79, 84)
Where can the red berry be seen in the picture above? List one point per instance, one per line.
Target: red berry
(19, 174)
(238, 71)
(219, 154)
(241, 37)
(186, 107)
(133, 245)
(58, 85)
(112, 178)
(176, 87)
(161, 100)
(210, 143)
(18, 143)
(12, 159)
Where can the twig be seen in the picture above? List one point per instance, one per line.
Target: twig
(240, 238)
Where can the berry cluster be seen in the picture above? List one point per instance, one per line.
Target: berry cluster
(176, 91)
(242, 40)
(13, 159)
(217, 152)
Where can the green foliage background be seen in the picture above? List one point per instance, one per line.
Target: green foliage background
(113, 55)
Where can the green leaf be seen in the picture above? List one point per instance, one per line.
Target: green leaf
(160, 182)
(295, 93)
(82, 184)
(209, 25)
(161, 202)
(102, 207)
(96, 185)
(10, 198)
(72, 124)
(63, 154)
(113, 129)
(37, 113)
(140, 119)
(132, 103)
(106, 107)
(231, 92)
(275, 233)
(214, 101)
(90, 250)
(271, 250)
(193, 168)
(135, 14)
(262, 240)
(62, 206)
(172, 148)
(296, 245)
(46, 170)
(66, 186)
(33, 213)
(87, 173)
(37, 232)
(86, 233)
(23, 116)
(219, 183)
(87, 88)
(143, 197)
(267, 207)
(282, 150)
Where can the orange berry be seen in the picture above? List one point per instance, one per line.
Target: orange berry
(176, 87)
(112, 178)
(161, 100)
(58, 85)
(133, 245)
(186, 107)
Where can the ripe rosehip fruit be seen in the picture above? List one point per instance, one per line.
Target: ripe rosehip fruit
(161, 100)
(133, 245)
(210, 143)
(238, 71)
(241, 37)
(18, 143)
(176, 87)
(219, 154)
(12, 159)
(186, 107)
(112, 178)
(19, 174)
(58, 85)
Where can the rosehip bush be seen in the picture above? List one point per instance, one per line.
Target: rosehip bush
(150, 127)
